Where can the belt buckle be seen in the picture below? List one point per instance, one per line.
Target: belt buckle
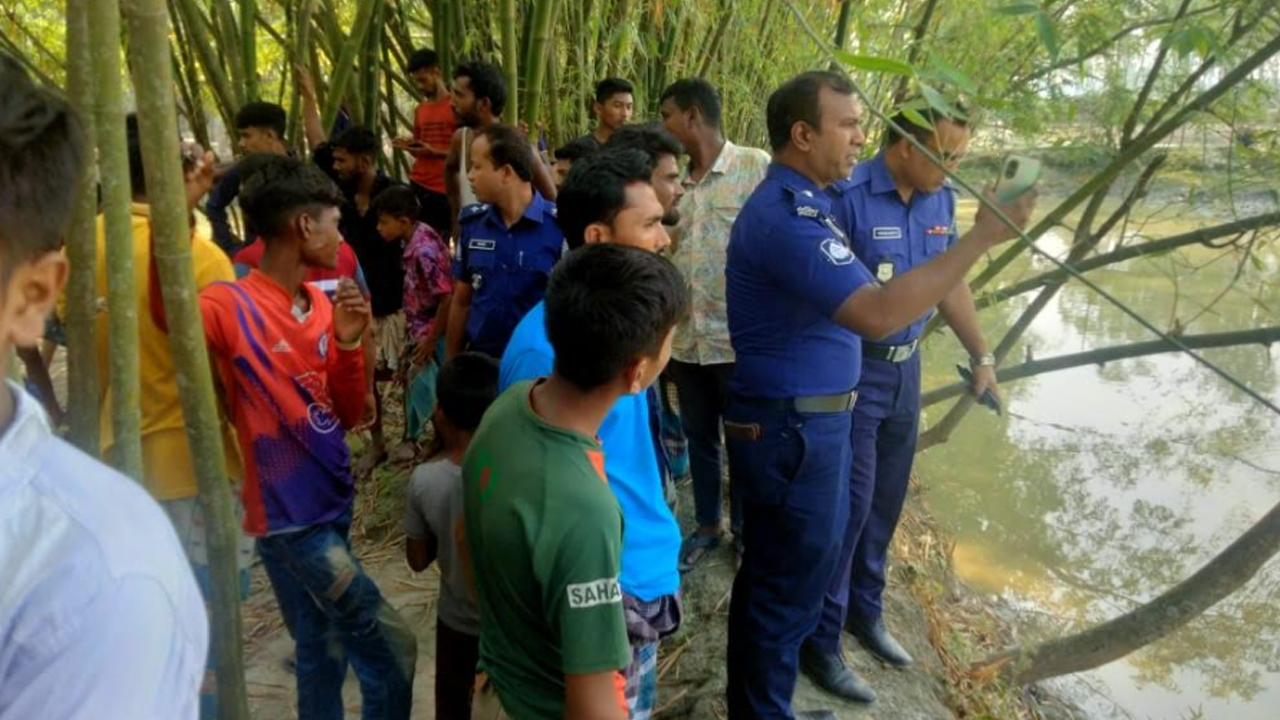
(903, 353)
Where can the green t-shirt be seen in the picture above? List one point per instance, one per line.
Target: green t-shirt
(545, 538)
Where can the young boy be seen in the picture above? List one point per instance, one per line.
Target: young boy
(99, 612)
(467, 386)
(292, 373)
(260, 128)
(614, 102)
(543, 530)
(428, 283)
(608, 198)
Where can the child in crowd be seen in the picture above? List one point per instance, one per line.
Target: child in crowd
(428, 283)
(468, 385)
(543, 530)
(292, 371)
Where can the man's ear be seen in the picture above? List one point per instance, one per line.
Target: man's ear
(30, 295)
(597, 233)
(802, 134)
(634, 375)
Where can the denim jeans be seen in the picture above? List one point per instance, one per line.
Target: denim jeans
(338, 615)
(704, 392)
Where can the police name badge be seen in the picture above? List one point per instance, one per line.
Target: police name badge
(884, 272)
(807, 211)
(836, 252)
(479, 244)
(886, 233)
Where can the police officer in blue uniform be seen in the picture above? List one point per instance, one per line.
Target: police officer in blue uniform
(899, 213)
(506, 247)
(798, 299)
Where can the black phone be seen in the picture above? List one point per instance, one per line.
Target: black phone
(987, 399)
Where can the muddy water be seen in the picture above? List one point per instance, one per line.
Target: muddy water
(1103, 486)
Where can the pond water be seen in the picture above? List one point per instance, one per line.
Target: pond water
(1103, 486)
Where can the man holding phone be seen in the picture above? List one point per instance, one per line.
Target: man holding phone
(898, 212)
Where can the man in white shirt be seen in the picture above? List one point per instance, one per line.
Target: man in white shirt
(99, 613)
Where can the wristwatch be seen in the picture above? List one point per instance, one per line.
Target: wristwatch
(987, 359)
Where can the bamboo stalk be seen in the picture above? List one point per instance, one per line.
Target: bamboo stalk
(82, 246)
(199, 37)
(544, 12)
(249, 48)
(510, 53)
(227, 35)
(371, 96)
(153, 84)
(113, 159)
(347, 59)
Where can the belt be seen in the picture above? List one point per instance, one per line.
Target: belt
(891, 353)
(808, 404)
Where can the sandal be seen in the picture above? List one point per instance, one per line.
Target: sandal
(696, 547)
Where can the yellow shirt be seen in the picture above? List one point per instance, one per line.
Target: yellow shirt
(166, 458)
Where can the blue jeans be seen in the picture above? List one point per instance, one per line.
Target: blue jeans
(704, 393)
(337, 614)
(793, 476)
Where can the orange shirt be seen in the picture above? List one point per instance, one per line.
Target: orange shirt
(433, 124)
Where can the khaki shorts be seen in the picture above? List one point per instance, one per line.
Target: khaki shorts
(390, 335)
(486, 705)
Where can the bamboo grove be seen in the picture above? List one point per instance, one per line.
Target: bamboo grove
(1054, 72)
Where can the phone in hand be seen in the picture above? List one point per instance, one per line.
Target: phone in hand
(1018, 174)
(987, 398)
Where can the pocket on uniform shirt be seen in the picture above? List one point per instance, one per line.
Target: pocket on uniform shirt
(935, 245)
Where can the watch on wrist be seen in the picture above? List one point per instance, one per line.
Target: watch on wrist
(981, 360)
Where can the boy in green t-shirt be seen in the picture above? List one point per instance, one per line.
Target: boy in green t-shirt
(543, 530)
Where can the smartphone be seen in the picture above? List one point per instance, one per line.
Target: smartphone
(988, 399)
(1018, 175)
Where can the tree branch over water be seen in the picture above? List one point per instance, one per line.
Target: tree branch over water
(1258, 336)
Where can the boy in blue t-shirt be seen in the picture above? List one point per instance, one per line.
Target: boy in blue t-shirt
(608, 198)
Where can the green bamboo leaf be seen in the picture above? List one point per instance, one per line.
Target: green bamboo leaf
(875, 64)
(952, 75)
(939, 102)
(916, 118)
(1017, 8)
(1048, 35)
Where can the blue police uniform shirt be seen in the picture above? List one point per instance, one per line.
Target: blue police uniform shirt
(651, 543)
(788, 269)
(507, 268)
(891, 237)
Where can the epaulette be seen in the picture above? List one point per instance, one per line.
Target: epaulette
(473, 210)
(807, 203)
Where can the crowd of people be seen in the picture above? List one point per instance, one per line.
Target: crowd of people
(575, 331)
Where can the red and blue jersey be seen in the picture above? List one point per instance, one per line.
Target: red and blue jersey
(290, 392)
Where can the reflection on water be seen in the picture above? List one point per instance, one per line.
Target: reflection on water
(1103, 486)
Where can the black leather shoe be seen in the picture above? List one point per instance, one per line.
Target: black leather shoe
(829, 672)
(816, 715)
(876, 638)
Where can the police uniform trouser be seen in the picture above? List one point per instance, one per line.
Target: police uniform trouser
(885, 423)
(795, 485)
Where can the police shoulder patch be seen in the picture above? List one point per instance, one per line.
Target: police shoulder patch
(807, 211)
(473, 210)
(836, 252)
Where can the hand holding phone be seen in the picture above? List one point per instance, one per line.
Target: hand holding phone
(987, 399)
(1018, 175)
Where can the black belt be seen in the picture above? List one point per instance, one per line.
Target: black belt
(808, 404)
(891, 353)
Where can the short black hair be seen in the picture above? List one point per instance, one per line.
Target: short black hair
(607, 306)
(268, 116)
(595, 190)
(797, 100)
(357, 140)
(42, 156)
(137, 168)
(422, 59)
(466, 387)
(486, 83)
(576, 149)
(961, 117)
(275, 188)
(649, 138)
(508, 147)
(609, 87)
(695, 92)
(397, 201)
